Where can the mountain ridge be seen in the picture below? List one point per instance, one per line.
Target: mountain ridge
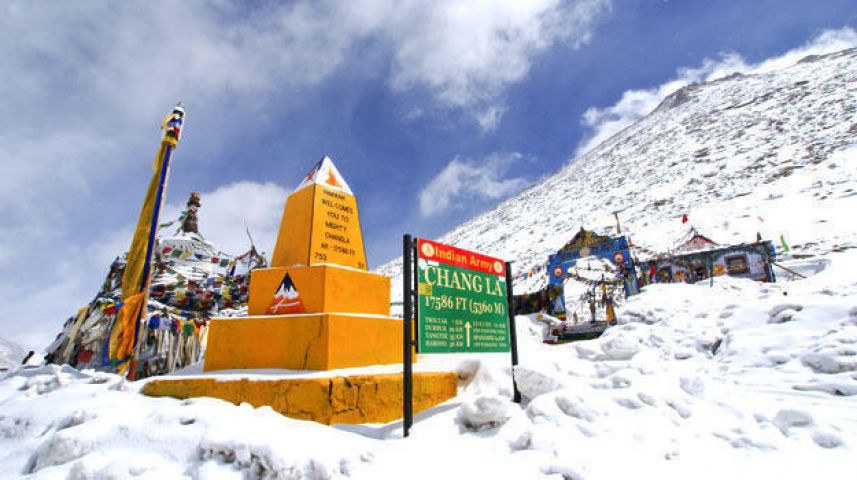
(731, 153)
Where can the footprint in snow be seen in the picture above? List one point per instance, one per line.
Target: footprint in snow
(826, 440)
(784, 313)
(790, 418)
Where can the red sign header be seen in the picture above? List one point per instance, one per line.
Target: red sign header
(438, 252)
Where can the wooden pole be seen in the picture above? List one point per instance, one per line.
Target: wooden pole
(788, 270)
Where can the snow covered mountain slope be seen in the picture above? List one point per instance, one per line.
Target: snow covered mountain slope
(11, 354)
(772, 153)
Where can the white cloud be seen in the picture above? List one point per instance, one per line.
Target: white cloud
(468, 53)
(602, 123)
(224, 211)
(84, 86)
(464, 181)
(828, 41)
(67, 277)
(490, 117)
(88, 83)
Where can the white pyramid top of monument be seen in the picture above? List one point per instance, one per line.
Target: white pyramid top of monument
(325, 173)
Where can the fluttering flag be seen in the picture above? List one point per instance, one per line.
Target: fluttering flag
(611, 314)
(124, 332)
(684, 218)
(783, 242)
(135, 280)
(80, 317)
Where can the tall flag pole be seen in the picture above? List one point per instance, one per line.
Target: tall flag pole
(138, 264)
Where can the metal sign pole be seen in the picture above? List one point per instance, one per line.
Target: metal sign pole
(513, 334)
(415, 334)
(407, 372)
(711, 271)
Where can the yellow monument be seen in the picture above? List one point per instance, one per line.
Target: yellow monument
(315, 308)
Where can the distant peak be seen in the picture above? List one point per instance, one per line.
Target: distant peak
(679, 97)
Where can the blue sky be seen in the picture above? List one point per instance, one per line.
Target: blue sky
(433, 111)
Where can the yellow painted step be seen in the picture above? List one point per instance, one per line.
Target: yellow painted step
(303, 342)
(329, 400)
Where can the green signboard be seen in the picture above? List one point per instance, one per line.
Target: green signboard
(461, 300)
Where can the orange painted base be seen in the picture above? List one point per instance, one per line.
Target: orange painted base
(323, 341)
(323, 288)
(352, 399)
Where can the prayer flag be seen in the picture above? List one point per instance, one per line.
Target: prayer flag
(135, 280)
(124, 331)
(783, 241)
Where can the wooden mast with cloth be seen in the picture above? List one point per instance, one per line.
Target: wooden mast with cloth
(138, 266)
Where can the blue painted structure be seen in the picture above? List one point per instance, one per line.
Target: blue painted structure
(586, 244)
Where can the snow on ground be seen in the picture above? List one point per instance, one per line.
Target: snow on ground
(57, 422)
(11, 354)
(735, 380)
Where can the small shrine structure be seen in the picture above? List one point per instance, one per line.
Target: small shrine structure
(697, 257)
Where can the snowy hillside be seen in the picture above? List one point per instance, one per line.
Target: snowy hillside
(11, 354)
(737, 380)
(771, 153)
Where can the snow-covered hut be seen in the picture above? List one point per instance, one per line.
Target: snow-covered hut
(696, 257)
